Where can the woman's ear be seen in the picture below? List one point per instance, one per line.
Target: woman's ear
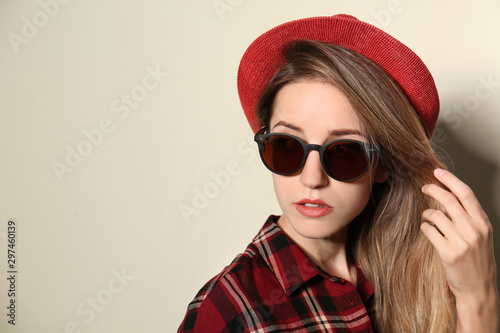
(379, 172)
(381, 175)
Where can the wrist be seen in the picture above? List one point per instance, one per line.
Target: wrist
(478, 312)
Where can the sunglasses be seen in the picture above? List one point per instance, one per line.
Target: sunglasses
(343, 160)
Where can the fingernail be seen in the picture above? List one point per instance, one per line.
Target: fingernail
(424, 187)
(439, 172)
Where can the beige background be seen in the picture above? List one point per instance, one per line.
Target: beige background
(63, 73)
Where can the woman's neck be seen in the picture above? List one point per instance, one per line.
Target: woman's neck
(329, 254)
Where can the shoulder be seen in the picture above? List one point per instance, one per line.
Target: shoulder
(239, 268)
(217, 303)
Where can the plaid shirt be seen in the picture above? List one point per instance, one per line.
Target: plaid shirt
(274, 287)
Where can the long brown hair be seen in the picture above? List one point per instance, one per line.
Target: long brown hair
(411, 292)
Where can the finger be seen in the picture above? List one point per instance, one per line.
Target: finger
(460, 236)
(448, 251)
(449, 201)
(463, 193)
(437, 240)
(441, 222)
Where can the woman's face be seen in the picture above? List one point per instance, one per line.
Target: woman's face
(317, 112)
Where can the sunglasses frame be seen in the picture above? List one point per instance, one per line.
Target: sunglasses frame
(260, 137)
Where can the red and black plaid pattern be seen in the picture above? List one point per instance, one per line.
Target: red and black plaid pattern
(274, 287)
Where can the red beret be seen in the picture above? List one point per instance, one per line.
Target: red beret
(265, 56)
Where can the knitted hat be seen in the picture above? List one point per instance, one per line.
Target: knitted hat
(265, 56)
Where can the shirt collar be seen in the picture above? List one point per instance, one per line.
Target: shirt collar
(364, 287)
(289, 263)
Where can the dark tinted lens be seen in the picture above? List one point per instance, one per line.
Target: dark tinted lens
(282, 154)
(345, 160)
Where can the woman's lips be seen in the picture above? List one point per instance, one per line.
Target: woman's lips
(312, 208)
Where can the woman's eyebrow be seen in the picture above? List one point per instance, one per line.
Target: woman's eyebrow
(333, 132)
(290, 126)
(344, 131)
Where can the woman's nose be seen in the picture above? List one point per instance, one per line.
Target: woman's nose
(313, 175)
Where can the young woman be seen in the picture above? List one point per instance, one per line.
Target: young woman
(375, 234)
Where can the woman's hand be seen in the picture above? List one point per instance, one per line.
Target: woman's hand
(464, 243)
